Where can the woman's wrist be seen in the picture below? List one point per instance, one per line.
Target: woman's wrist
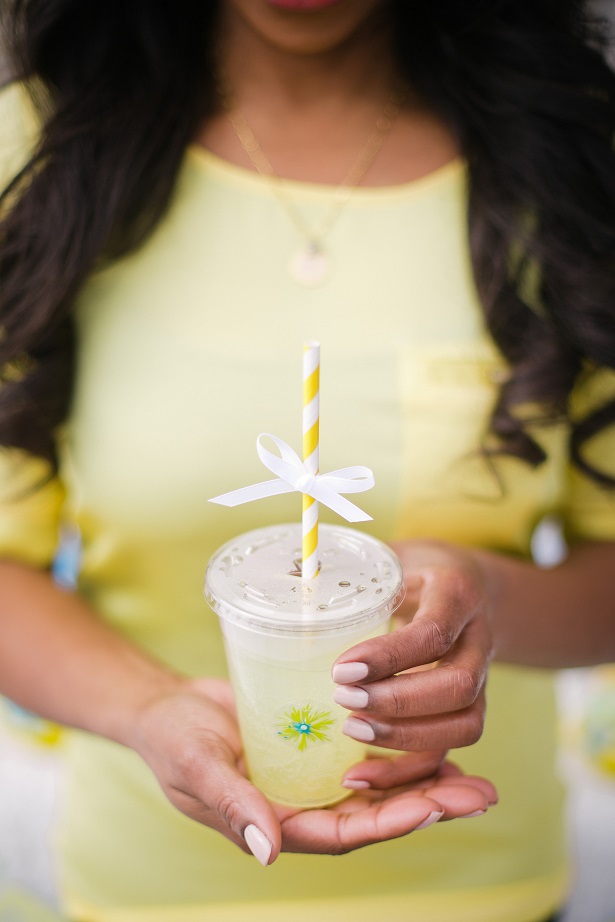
(554, 617)
(147, 683)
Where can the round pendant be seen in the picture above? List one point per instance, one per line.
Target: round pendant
(310, 265)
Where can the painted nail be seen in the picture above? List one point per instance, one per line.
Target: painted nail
(350, 696)
(358, 730)
(258, 843)
(346, 673)
(432, 818)
(466, 816)
(355, 785)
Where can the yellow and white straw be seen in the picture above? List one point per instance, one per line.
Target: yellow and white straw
(311, 440)
(303, 476)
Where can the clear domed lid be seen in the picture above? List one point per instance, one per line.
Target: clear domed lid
(256, 579)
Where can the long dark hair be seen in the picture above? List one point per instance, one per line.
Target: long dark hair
(123, 85)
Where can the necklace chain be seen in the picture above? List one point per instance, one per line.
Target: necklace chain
(314, 236)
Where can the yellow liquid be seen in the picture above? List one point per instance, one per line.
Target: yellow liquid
(291, 728)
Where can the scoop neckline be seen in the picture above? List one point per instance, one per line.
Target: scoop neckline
(241, 175)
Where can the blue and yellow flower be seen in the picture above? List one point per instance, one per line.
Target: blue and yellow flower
(303, 725)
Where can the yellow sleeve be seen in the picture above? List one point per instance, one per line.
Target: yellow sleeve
(18, 130)
(30, 508)
(589, 510)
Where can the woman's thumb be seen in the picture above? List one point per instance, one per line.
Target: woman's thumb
(245, 810)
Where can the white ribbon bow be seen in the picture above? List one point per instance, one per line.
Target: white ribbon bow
(293, 475)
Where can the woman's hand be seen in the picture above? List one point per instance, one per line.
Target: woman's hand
(189, 738)
(444, 640)
(376, 815)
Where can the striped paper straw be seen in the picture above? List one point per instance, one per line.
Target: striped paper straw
(311, 420)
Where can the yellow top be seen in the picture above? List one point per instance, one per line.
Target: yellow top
(187, 350)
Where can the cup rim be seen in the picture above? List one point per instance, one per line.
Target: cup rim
(275, 622)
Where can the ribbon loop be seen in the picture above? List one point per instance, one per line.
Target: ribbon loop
(293, 475)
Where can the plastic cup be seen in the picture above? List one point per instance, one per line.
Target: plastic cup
(282, 634)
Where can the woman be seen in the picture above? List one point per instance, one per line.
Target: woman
(158, 280)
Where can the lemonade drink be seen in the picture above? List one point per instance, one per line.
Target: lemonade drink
(282, 635)
(295, 750)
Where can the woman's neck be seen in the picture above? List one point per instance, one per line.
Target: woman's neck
(313, 112)
(324, 82)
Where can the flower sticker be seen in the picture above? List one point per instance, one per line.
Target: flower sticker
(304, 725)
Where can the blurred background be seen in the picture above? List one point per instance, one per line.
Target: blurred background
(31, 775)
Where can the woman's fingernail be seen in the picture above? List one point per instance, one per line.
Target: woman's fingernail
(358, 730)
(350, 696)
(258, 843)
(466, 816)
(432, 818)
(345, 673)
(355, 785)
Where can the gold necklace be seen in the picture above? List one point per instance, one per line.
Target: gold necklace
(311, 264)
